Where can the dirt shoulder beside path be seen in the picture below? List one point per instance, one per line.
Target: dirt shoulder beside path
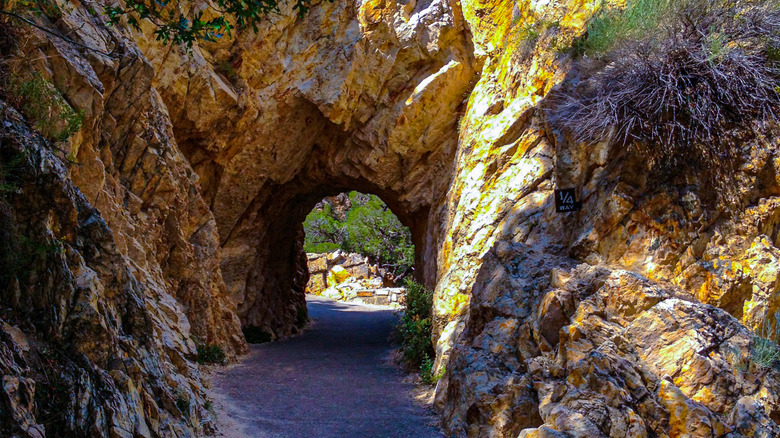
(335, 380)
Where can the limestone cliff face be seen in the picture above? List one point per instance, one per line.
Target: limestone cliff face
(629, 318)
(540, 327)
(117, 274)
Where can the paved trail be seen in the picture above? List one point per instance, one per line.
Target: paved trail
(332, 381)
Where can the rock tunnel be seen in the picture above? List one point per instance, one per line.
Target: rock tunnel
(335, 102)
(274, 288)
(201, 183)
(309, 158)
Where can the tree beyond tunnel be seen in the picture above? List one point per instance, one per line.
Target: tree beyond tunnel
(359, 223)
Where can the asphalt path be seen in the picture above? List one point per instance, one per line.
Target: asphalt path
(335, 380)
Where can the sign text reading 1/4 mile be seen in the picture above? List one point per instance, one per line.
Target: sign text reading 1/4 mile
(565, 201)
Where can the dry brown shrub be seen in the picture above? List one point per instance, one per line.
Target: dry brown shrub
(682, 93)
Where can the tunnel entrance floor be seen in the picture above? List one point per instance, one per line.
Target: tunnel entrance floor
(335, 380)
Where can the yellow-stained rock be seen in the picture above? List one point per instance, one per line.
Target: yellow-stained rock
(337, 275)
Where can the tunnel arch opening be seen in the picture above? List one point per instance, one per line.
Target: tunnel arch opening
(261, 187)
(274, 306)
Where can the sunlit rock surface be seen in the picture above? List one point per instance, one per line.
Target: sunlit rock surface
(88, 346)
(629, 318)
(351, 277)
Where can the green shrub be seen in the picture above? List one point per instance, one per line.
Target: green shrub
(208, 354)
(415, 326)
(256, 335)
(183, 405)
(419, 300)
(44, 106)
(426, 372)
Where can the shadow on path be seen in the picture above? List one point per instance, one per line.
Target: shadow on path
(332, 381)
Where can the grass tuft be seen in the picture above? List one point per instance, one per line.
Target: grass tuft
(183, 405)
(611, 26)
(764, 350)
(44, 106)
(210, 354)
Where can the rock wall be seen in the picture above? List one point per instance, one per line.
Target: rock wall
(351, 277)
(87, 346)
(539, 326)
(116, 255)
(355, 266)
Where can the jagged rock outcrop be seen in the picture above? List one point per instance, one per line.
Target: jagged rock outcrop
(112, 261)
(87, 347)
(628, 318)
(505, 246)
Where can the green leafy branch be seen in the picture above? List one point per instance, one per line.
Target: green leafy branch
(172, 26)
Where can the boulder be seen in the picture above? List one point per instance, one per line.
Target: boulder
(337, 275)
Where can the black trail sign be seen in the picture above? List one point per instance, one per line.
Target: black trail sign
(565, 200)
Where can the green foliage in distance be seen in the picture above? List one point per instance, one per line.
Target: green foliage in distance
(324, 231)
(369, 228)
